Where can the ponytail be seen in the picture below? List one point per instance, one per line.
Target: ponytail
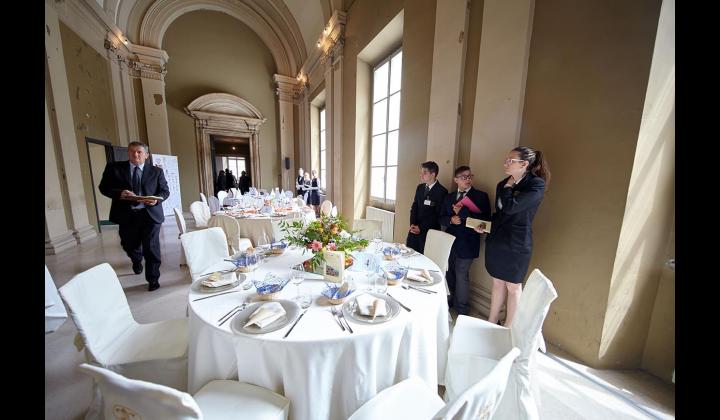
(538, 165)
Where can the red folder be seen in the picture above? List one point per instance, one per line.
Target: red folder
(467, 202)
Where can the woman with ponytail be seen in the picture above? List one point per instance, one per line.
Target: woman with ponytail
(508, 246)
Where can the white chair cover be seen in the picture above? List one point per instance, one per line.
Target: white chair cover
(232, 232)
(205, 249)
(197, 209)
(476, 345)
(482, 399)
(437, 247)
(214, 204)
(326, 207)
(203, 199)
(55, 313)
(231, 192)
(334, 211)
(409, 399)
(366, 227)
(182, 228)
(300, 201)
(132, 399)
(235, 192)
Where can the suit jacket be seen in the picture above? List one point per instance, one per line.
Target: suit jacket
(512, 225)
(116, 178)
(467, 241)
(427, 216)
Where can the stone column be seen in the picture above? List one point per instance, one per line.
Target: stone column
(122, 98)
(334, 127)
(59, 105)
(451, 22)
(286, 92)
(151, 67)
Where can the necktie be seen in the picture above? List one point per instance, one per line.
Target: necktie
(427, 190)
(462, 194)
(136, 181)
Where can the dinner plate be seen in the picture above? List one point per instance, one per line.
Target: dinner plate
(350, 310)
(198, 287)
(237, 325)
(437, 278)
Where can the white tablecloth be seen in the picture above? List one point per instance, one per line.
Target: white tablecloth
(326, 373)
(253, 227)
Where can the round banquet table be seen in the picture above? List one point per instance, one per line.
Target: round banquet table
(325, 372)
(254, 226)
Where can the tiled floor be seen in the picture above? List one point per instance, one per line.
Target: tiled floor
(567, 389)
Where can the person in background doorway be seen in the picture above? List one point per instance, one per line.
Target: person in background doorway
(315, 193)
(425, 209)
(139, 221)
(508, 246)
(467, 241)
(220, 182)
(230, 180)
(299, 182)
(244, 183)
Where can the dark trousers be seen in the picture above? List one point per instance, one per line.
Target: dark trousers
(458, 279)
(140, 237)
(416, 242)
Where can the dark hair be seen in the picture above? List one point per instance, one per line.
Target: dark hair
(431, 167)
(538, 166)
(461, 169)
(139, 143)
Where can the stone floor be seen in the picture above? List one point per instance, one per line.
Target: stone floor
(568, 390)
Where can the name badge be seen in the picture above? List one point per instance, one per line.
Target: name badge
(427, 203)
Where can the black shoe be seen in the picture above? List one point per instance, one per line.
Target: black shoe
(153, 285)
(137, 267)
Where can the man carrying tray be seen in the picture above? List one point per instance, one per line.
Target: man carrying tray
(457, 207)
(136, 189)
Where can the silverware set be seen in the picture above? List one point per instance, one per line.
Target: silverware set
(339, 318)
(421, 269)
(230, 314)
(221, 272)
(399, 303)
(218, 294)
(295, 323)
(407, 286)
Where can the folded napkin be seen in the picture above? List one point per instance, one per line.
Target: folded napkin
(371, 306)
(266, 314)
(217, 280)
(423, 276)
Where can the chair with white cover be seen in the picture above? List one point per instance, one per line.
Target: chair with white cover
(197, 209)
(205, 251)
(55, 313)
(154, 352)
(219, 399)
(367, 227)
(413, 399)
(278, 234)
(326, 207)
(203, 199)
(476, 344)
(437, 247)
(214, 204)
(236, 192)
(182, 228)
(232, 232)
(221, 195)
(231, 192)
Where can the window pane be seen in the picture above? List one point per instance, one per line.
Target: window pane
(379, 117)
(394, 117)
(378, 151)
(322, 119)
(377, 182)
(322, 140)
(396, 73)
(323, 160)
(380, 82)
(323, 173)
(391, 182)
(392, 148)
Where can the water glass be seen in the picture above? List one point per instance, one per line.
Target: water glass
(381, 284)
(377, 240)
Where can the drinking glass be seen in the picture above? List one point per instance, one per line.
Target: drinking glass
(297, 275)
(377, 240)
(381, 284)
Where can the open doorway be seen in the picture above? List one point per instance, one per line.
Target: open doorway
(231, 153)
(99, 152)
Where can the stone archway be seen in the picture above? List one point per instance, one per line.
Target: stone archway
(224, 114)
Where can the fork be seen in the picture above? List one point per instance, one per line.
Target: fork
(232, 314)
(335, 315)
(342, 316)
(406, 287)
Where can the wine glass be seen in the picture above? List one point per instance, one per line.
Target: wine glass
(377, 240)
(297, 275)
(263, 246)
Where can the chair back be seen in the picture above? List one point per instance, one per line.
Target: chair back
(236, 192)
(99, 309)
(537, 295)
(437, 247)
(300, 201)
(55, 314)
(204, 248)
(214, 204)
(231, 192)
(482, 399)
(326, 207)
(203, 199)
(221, 195)
(231, 228)
(125, 398)
(198, 212)
(366, 227)
(180, 220)
(278, 234)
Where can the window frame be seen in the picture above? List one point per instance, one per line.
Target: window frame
(321, 131)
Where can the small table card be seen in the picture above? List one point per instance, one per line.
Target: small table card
(334, 266)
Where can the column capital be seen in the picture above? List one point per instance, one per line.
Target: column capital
(148, 62)
(288, 89)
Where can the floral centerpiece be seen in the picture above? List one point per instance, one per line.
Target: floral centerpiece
(327, 233)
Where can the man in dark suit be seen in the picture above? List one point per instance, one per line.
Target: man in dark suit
(425, 209)
(139, 221)
(466, 247)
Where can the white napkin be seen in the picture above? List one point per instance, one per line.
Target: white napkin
(423, 276)
(266, 314)
(209, 282)
(371, 306)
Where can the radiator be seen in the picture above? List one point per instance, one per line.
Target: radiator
(388, 219)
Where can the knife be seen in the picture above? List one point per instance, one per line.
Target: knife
(420, 290)
(223, 293)
(399, 303)
(295, 323)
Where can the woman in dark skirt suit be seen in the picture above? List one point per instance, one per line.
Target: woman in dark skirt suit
(508, 246)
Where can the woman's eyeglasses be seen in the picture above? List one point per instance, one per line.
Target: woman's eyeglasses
(510, 161)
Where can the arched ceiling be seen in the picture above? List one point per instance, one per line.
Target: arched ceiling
(300, 22)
